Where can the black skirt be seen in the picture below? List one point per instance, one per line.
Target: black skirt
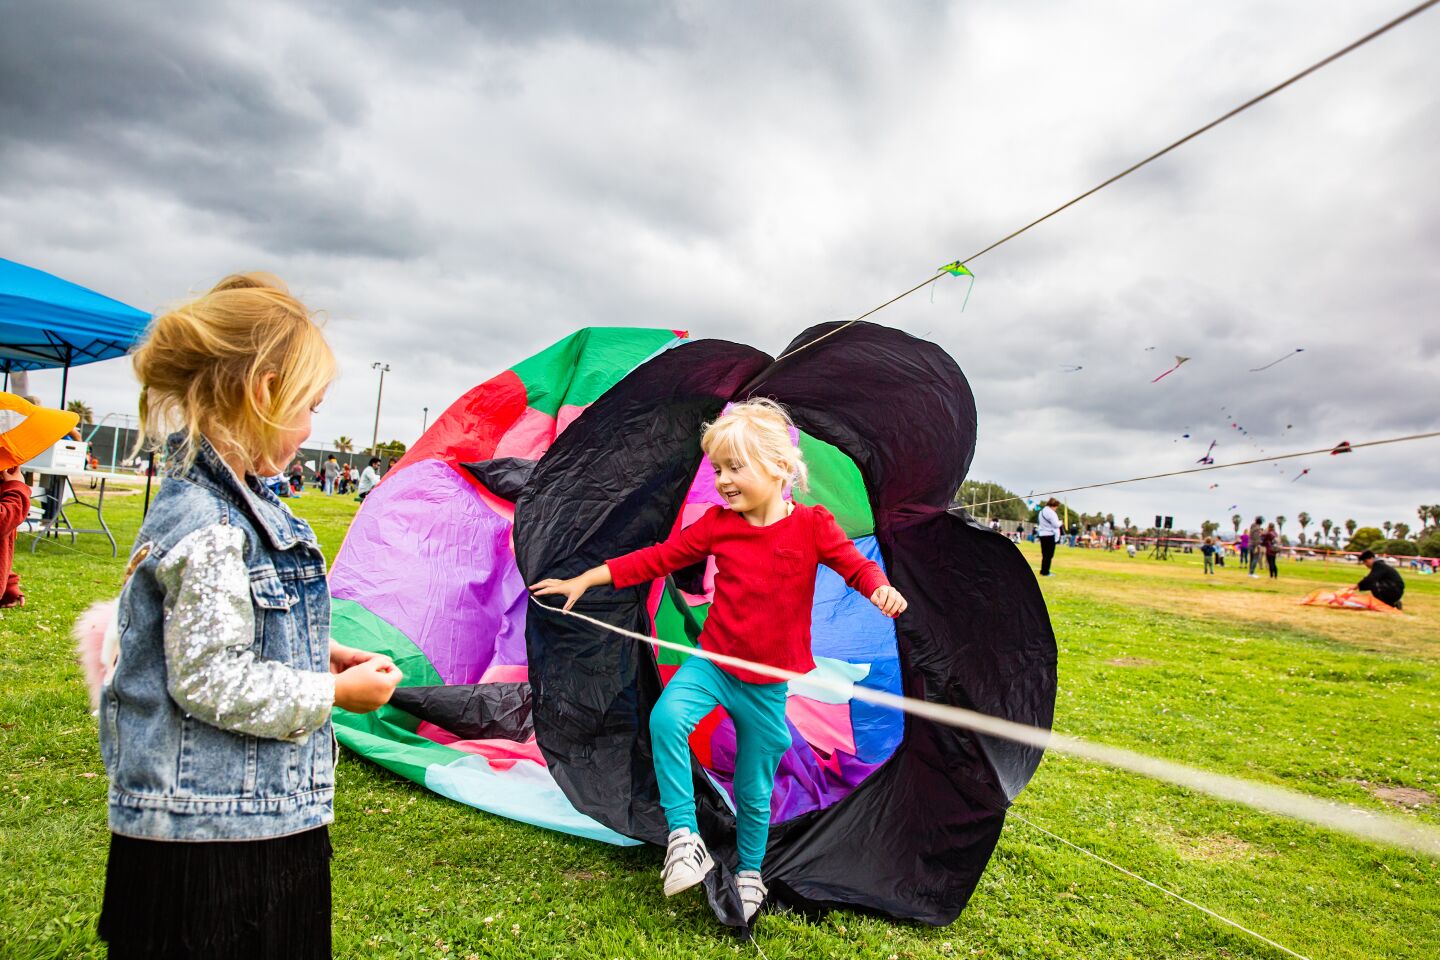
(251, 899)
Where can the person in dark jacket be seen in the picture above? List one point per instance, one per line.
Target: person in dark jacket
(1384, 581)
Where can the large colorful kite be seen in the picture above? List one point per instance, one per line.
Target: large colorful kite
(590, 449)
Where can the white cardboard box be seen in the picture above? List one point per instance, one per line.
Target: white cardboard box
(65, 455)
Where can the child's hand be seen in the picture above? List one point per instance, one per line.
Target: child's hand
(12, 474)
(367, 686)
(572, 589)
(342, 658)
(889, 601)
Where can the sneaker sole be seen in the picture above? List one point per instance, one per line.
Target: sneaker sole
(706, 866)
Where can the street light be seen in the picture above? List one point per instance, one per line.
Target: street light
(425, 421)
(375, 437)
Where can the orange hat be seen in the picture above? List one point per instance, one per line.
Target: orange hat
(26, 431)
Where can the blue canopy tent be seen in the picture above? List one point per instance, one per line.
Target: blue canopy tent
(46, 322)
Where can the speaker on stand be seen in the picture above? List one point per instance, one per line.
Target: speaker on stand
(1162, 541)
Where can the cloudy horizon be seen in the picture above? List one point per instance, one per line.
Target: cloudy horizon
(458, 186)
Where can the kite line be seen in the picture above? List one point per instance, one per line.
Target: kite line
(1169, 893)
(1375, 826)
(1344, 447)
(1414, 11)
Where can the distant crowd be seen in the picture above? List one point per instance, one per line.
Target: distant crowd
(330, 477)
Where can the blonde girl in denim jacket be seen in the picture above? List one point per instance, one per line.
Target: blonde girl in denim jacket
(220, 674)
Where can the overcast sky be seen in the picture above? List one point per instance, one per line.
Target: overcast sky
(457, 185)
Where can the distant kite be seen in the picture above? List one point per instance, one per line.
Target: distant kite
(1148, 349)
(1178, 361)
(1281, 360)
(958, 269)
(1207, 458)
(1233, 506)
(1300, 474)
(1214, 485)
(1342, 447)
(1070, 368)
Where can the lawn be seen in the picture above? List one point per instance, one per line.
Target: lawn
(1223, 672)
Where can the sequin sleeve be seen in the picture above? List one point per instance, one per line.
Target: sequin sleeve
(211, 670)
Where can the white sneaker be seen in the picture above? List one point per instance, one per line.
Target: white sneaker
(752, 892)
(686, 862)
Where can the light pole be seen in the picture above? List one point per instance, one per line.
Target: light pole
(425, 421)
(375, 437)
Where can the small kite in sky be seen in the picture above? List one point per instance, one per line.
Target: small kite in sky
(1281, 360)
(1214, 485)
(1300, 474)
(1070, 368)
(1342, 447)
(957, 269)
(1207, 458)
(1148, 349)
(1233, 506)
(1178, 361)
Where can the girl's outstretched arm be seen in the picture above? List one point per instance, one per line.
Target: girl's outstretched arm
(838, 552)
(574, 588)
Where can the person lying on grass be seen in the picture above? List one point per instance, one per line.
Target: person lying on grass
(766, 549)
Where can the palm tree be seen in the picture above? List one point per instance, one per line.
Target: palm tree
(1350, 528)
(1402, 531)
(81, 408)
(1386, 527)
(1326, 525)
(1235, 522)
(1304, 520)
(1423, 512)
(344, 444)
(1127, 524)
(1280, 524)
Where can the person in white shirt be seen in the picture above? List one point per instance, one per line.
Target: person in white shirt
(368, 478)
(1048, 531)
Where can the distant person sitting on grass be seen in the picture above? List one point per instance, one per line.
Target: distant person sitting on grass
(1383, 581)
(26, 431)
(1208, 549)
(368, 478)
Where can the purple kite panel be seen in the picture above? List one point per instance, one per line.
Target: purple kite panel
(453, 589)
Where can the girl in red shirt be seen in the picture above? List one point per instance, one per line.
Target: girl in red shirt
(766, 549)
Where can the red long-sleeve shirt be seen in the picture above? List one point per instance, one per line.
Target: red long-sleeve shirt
(764, 580)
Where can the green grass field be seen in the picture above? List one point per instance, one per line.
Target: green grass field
(1224, 672)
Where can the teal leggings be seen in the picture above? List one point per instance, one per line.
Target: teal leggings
(761, 739)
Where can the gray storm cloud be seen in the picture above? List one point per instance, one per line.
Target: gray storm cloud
(456, 185)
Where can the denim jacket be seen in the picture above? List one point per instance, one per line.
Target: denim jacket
(215, 722)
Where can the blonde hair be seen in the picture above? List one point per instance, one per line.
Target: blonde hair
(236, 365)
(757, 432)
